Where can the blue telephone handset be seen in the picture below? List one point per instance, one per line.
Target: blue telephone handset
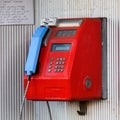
(34, 50)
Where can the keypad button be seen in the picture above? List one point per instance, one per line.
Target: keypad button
(63, 62)
(59, 66)
(51, 63)
(58, 59)
(56, 66)
(57, 62)
(50, 66)
(60, 71)
(61, 59)
(60, 62)
(62, 66)
(64, 58)
(55, 70)
(49, 70)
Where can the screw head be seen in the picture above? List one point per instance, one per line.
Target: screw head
(88, 83)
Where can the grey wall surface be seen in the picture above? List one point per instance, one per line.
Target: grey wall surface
(14, 44)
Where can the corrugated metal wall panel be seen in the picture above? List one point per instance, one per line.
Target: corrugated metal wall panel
(14, 43)
(14, 40)
(119, 62)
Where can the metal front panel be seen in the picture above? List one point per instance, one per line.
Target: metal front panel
(14, 43)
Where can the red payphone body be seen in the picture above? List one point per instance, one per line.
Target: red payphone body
(73, 64)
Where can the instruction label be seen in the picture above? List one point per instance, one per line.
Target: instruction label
(16, 12)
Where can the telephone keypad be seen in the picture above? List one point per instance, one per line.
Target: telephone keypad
(57, 65)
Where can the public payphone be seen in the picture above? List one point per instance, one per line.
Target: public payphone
(71, 62)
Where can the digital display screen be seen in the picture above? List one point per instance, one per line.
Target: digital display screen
(61, 47)
(66, 33)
